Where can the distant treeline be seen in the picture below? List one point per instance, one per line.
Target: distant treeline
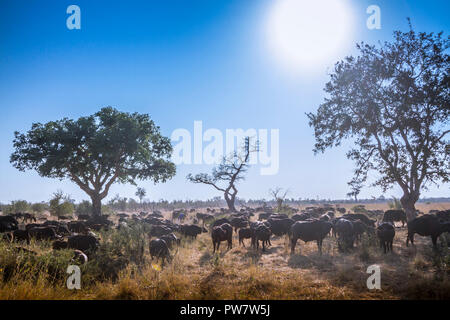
(69, 207)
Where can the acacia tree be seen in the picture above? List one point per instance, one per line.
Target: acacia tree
(225, 176)
(392, 101)
(96, 151)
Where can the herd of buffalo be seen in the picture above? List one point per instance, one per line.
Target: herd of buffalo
(256, 224)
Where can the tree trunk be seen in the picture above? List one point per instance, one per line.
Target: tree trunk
(408, 202)
(230, 202)
(96, 206)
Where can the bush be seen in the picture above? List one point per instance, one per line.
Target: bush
(61, 205)
(17, 206)
(84, 207)
(39, 207)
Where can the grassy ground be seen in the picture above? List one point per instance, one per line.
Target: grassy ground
(239, 273)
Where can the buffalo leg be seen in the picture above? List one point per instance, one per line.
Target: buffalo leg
(293, 243)
(434, 240)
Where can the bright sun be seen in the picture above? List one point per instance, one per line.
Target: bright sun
(306, 33)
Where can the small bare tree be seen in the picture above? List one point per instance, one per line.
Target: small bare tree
(228, 173)
(279, 196)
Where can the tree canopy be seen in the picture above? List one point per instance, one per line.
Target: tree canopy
(393, 102)
(96, 151)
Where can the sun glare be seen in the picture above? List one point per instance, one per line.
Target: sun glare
(305, 34)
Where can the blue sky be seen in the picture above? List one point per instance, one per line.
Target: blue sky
(179, 61)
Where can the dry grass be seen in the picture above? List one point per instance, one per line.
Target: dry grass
(243, 273)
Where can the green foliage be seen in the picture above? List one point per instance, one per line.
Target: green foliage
(118, 203)
(96, 151)
(399, 122)
(84, 207)
(17, 206)
(61, 205)
(39, 207)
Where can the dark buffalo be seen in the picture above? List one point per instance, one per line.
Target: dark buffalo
(43, 233)
(160, 230)
(191, 230)
(59, 245)
(254, 226)
(159, 249)
(8, 223)
(301, 216)
(204, 217)
(309, 231)
(281, 227)
(84, 217)
(386, 234)
(443, 216)
(262, 233)
(21, 235)
(278, 216)
(219, 222)
(264, 216)
(341, 210)
(359, 228)
(221, 233)
(170, 240)
(28, 217)
(426, 225)
(77, 226)
(85, 243)
(245, 233)
(359, 216)
(345, 234)
(395, 215)
(238, 223)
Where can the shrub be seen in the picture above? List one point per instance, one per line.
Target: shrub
(39, 207)
(61, 205)
(17, 206)
(84, 207)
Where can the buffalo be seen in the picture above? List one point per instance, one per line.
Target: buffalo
(310, 231)
(262, 233)
(21, 235)
(238, 223)
(170, 240)
(8, 223)
(281, 227)
(395, 215)
(85, 243)
(221, 233)
(386, 233)
(301, 216)
(245, 233)
(192, 230)
(345, 233)
(159, 249)
(426, 225)
(43, 233)
(359, 216)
